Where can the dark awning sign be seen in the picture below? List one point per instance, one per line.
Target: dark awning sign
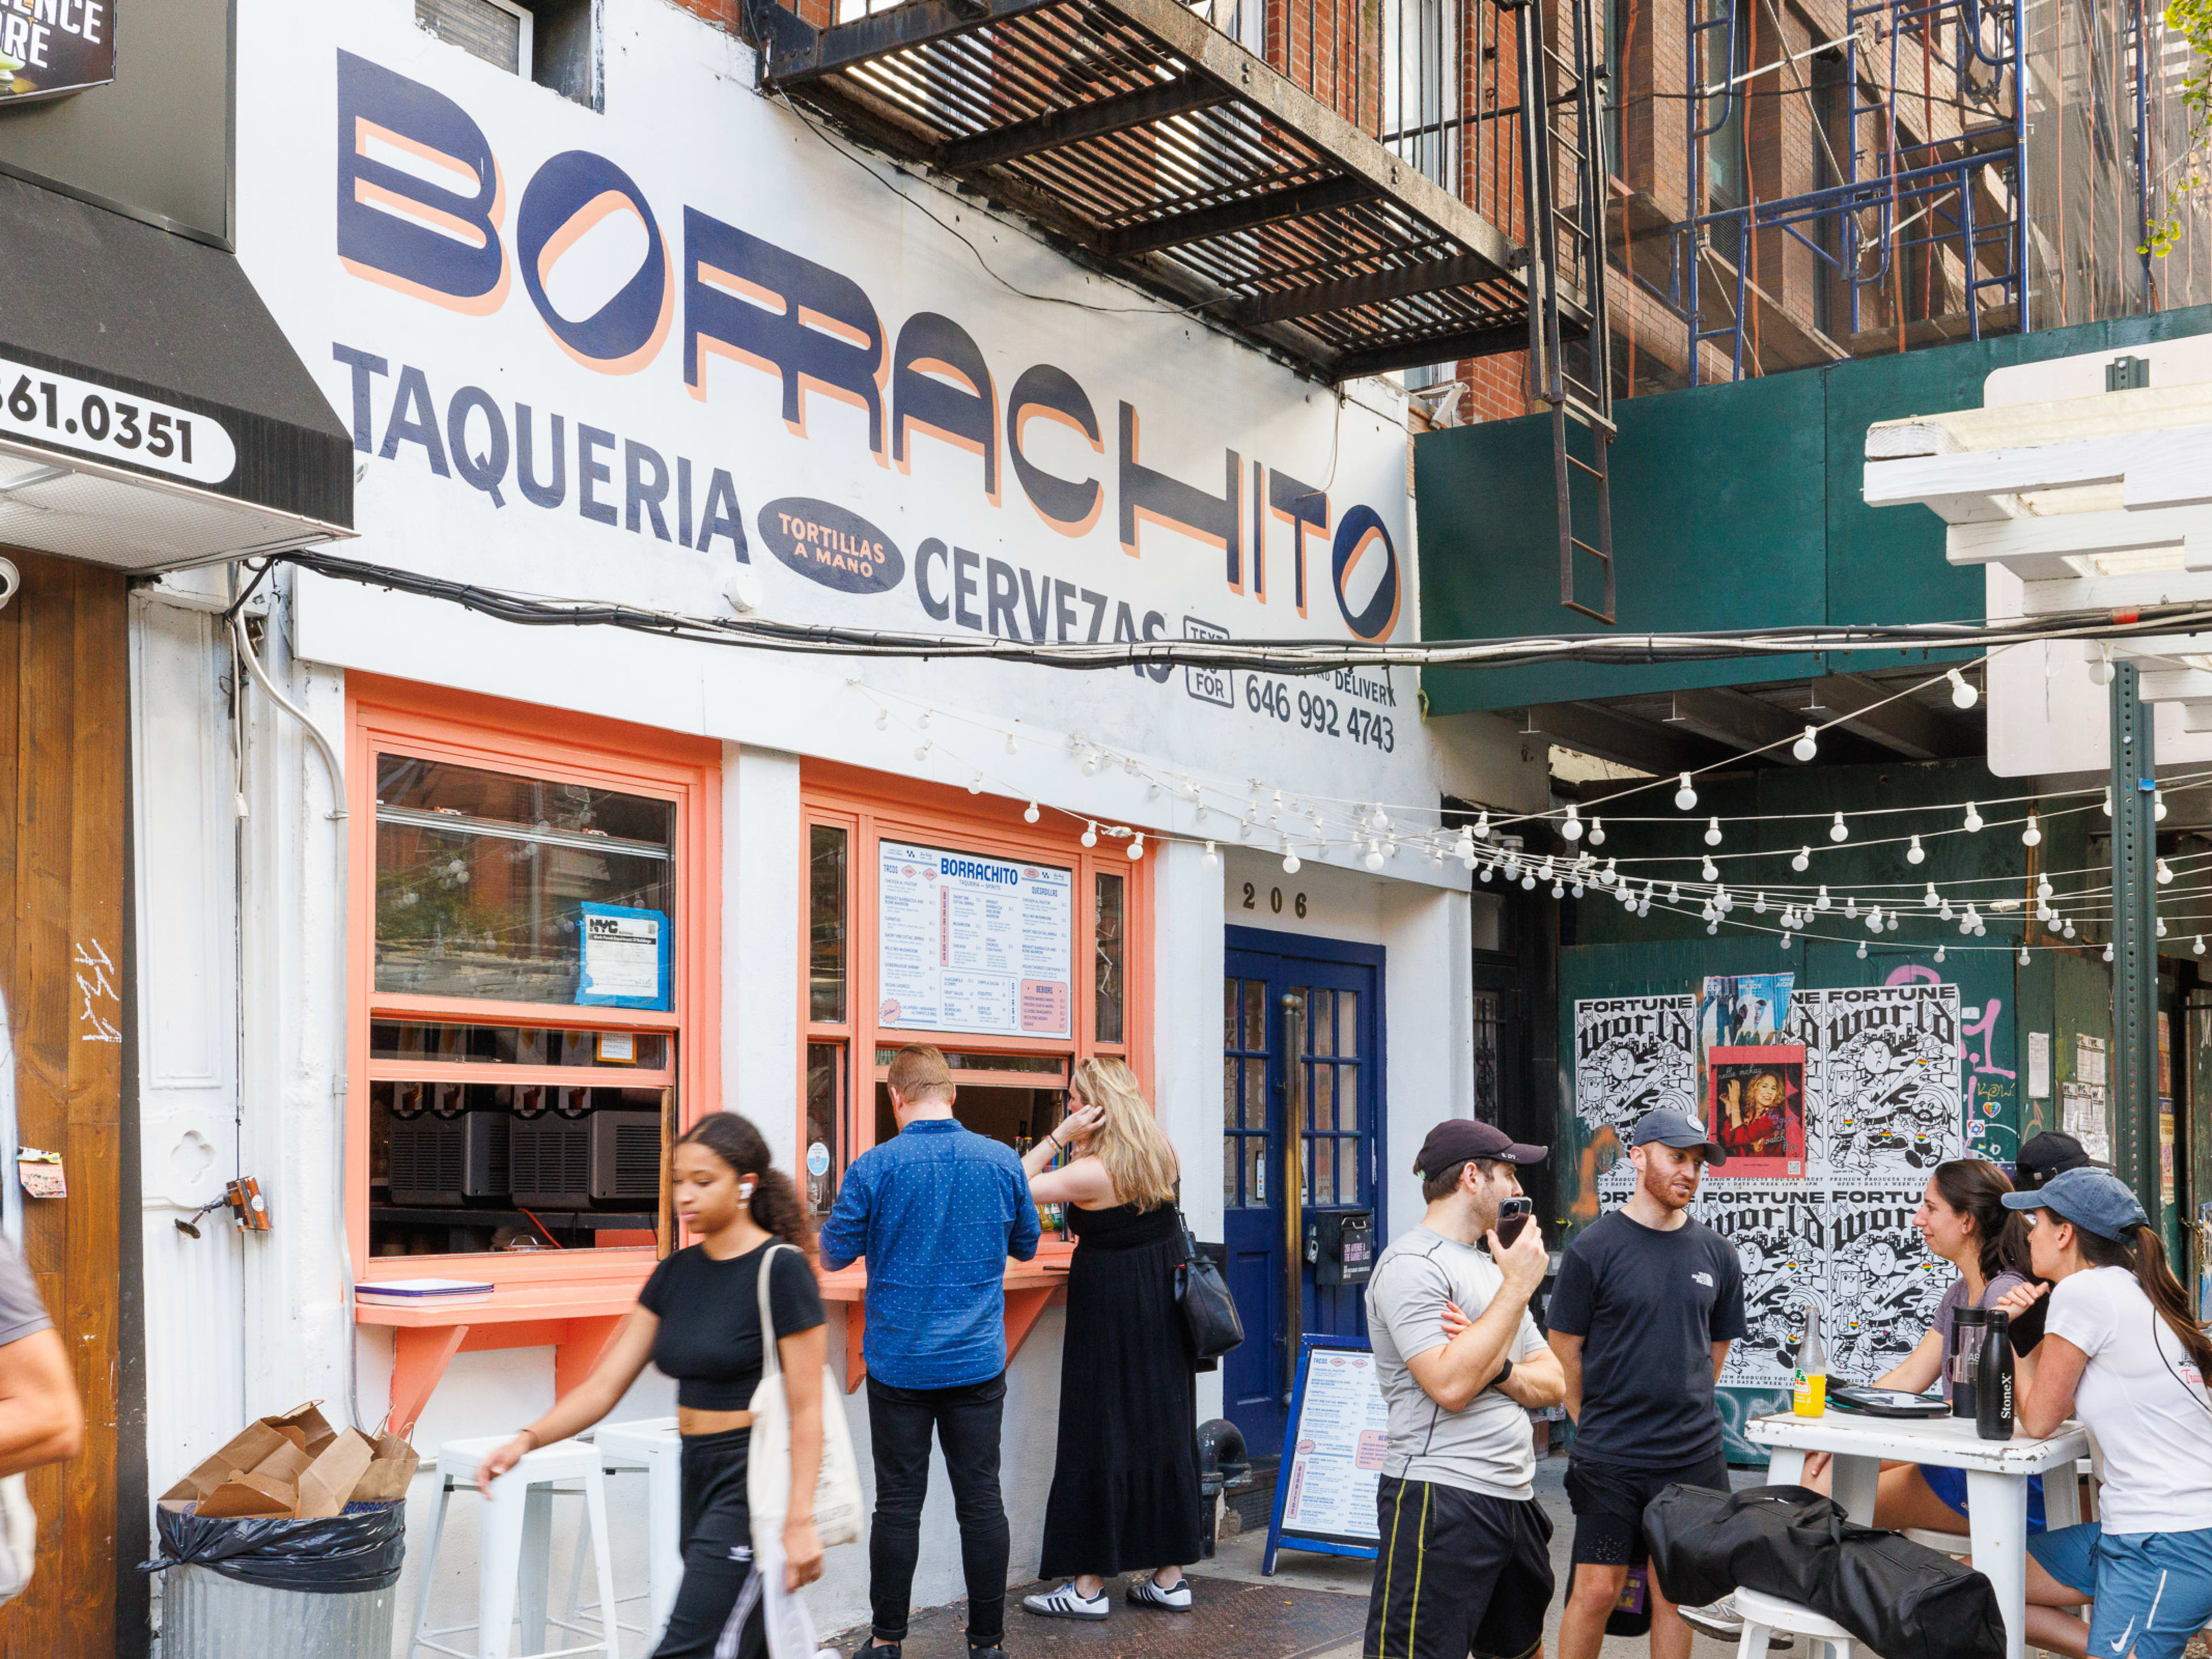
(61, 411)
(48, 47)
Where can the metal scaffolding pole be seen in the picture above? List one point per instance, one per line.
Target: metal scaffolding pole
(2135, 942)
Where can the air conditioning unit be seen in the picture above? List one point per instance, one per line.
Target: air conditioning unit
(626, 1156)
(551, 1157)
(449, 1160)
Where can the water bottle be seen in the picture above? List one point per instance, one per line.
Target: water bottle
(1808, 1394)
(1993, 1381)
(1969, 1327)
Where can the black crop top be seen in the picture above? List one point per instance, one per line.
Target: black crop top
(710, 1339)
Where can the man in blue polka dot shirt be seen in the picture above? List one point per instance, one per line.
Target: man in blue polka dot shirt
(934, 1211)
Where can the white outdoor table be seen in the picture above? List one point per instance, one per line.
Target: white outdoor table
(1996, 1482)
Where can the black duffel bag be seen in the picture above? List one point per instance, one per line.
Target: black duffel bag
(360, 1550)
(1902, 1600)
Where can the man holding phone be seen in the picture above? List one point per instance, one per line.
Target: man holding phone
(1465, 1565)
(1646, 1304)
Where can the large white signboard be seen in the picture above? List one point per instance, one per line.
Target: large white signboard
(973, 944)
(1336, 1459)
(583, 357)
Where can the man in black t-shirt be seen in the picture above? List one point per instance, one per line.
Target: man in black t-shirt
(1646, 1304)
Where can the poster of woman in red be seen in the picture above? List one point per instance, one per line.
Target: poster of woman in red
(1758, 1110)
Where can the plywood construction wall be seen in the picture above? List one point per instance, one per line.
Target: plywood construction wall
(63, 707)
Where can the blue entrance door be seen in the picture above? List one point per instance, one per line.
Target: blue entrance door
(1302, 1092)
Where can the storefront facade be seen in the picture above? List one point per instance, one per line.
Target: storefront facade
(553, 891)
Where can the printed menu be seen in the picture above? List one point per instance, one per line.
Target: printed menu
(970, 943)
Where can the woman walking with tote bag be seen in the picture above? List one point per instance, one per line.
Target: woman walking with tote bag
(699, 1319)
(1125, 1486)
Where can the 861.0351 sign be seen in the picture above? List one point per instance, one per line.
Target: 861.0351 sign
(59, 411)
(1318, 713)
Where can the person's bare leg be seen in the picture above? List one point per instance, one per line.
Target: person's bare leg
(2048, 1625)
(1167, 1577)
(1088, 1584)
(1903, 1497)
(1582, 1621)
(1670, 1636)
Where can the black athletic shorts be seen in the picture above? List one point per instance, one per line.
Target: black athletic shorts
(1609, 1500)
(1459, 1572)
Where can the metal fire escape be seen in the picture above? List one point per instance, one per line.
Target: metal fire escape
(1155, 147)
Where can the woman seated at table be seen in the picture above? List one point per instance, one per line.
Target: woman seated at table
(2122, 1350)
(1963, 1219)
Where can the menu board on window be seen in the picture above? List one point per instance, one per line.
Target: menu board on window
(968, 943)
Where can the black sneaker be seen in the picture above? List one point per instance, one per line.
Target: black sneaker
(875, 1649)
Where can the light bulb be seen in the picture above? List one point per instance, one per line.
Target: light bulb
(2108, 801)
(2101, 667)
(882, 720)
(2108, 950)
(1916, 854)
(1807, 747)
(1862, 949)
(1029, 813)
(1571, 830)
(1932, 899)
(1383, 818)
(1973, 819)
(922, 725)
(1090, 765)
(1712, 832)
(1803, 861)
(1851, 906)
(921, 750)
(1890, 921)
(1289, 861)
(2023, 956)
(1820, 903)
(1012, 748)
(1944, 912)
(1685, 797)
(1597, 832)
(2158, 805)
(1713, 927)
(1488, 871)
(1212, 857)
(1137, 846)
(1091, 832)
(2161, 926)
(976, 784)
(1759, 904)
(2043, 887)
(1709, 870)
(1784, 941)
(1612, 876)
(1673, 893)
(1962, 696)
(1374, 859)
(1838, 830)
(1707, 911)
(2165, 873)
(1482, 825)
(1528, 881)
(1874, 920)
(1725, 901)
(2033, 835)
(1559, 888)
(2068, 929)
(1939, 953)
(2199, 946)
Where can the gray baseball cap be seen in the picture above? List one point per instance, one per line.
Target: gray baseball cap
(2094, 1199)
(1671, 1129)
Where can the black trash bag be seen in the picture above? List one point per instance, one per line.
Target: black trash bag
(346, 1554)
(1902, 1600)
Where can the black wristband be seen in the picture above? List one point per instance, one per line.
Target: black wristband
(1505, 1370)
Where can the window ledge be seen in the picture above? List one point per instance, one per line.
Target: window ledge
(1048, 1272)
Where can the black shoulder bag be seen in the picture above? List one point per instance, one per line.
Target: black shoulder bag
(1209, 1313)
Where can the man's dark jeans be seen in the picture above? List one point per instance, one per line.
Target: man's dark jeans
(966, 1419)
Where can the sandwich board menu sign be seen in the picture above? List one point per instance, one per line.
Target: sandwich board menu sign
(1333, 1450)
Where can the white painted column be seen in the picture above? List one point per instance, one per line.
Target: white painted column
(763, 902)
(1428, 1043)
(1187, 968)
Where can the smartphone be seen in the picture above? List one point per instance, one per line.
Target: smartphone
(1513, 1215)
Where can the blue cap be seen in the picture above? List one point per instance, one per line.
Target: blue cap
(2094, 1199)
(1671, 1129)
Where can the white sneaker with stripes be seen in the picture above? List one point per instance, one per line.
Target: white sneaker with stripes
(1146, 1592)
(1067, 1602)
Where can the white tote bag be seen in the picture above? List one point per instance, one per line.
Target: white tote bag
(837, 1507)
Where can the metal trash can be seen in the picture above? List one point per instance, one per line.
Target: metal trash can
(324, 1589)
(205, 1616)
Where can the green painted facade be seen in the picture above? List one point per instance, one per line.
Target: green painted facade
(1734, 505)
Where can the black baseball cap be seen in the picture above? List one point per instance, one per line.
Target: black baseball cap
(1456, 1140)
(2053, 1153)
(1671, 1129)
(2094, 1199)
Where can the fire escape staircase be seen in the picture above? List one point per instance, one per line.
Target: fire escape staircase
(1158, 150)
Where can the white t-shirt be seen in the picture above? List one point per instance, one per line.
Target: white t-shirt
(2141, 1397)
(1486, 1447)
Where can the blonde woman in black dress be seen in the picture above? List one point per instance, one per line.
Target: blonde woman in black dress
(1125, 1486)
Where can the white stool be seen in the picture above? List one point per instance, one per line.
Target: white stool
(515, 1553)
(653, 1444)
(1764, 1614)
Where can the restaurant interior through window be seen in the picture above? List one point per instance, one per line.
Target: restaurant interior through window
(537, 955)
(1016, 947)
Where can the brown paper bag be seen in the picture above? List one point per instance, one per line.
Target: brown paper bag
(389, 1471)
